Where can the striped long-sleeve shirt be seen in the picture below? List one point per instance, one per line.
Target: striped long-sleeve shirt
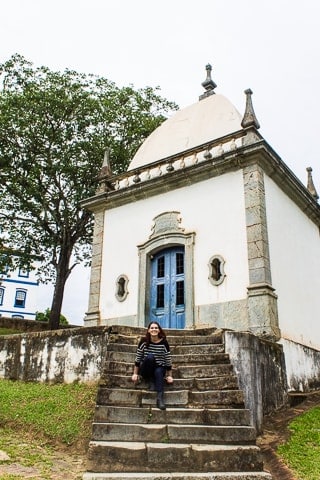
(160, 350)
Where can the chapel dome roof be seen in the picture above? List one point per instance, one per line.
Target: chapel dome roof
(209, 119)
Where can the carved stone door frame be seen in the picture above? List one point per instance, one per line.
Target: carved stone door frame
(166, 233)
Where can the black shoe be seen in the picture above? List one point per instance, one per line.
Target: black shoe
(152, 387)
(160, 401)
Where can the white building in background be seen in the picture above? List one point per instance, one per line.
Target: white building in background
(209, 227)
(75, 298)
(21, 296)
(18, 294)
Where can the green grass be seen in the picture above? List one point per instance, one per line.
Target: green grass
(40, 423)
(10, 477)
(302, 452)
(61, 413)
(9, 331)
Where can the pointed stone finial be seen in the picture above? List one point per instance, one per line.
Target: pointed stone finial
(310, 184)
(106, 166)
(249, 117)
(105, 184)
(208, 84)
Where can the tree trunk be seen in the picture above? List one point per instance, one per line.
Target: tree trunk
(63, 273)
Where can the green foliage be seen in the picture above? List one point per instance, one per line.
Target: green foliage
(54, 130)
(51, 412)
(45, 317)
(9, 331)
(302, 451)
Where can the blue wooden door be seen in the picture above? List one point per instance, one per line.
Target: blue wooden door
(167, 299)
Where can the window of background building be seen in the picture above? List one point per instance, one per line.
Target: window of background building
(20, 298)
(2, 290)
(23, 273)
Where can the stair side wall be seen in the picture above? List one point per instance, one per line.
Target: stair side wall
(260, 366)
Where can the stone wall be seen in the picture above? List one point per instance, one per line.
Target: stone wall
(260, 366)
(66, 355)
(302, 365)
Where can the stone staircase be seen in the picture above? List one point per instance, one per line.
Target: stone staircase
(204, 433)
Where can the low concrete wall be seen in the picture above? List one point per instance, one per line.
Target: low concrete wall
(260, 366)
(67, 355)
(303, 367)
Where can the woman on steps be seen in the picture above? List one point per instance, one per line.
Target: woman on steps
(153, 361)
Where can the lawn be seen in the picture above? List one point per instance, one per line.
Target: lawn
(302, 452)
(9, 331)
(42, 425)
(61, 412)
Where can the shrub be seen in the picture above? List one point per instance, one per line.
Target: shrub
(44, 317)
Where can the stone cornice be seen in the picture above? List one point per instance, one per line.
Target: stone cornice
(212, 163)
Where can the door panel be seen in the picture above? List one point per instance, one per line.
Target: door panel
(167, 299)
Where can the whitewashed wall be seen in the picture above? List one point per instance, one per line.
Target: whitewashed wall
(302, 367)
(294, 243)
(213, 209)
(60, 356)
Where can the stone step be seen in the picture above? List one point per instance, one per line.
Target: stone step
(179, 476)
(189, 350)
(223, 382)
(216, 337)
(204, 371)
(173, 341)
(122, 347)
(217, 397)
(187, 358)
(191, 371)
(161, 457)
(136, 397)
(203, 358)
(203, 349)
(135, 333)
(202, 416)
(197, 349)
(159, 433)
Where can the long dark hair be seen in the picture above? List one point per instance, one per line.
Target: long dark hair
(161, 333)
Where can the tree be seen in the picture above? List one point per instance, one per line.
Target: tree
(54, 129)
(45, 317)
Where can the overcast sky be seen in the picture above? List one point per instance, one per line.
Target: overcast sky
(271, 46)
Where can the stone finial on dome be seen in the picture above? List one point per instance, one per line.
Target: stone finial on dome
(208, 84)
(249, 117)
(310, 184)
(106, 166)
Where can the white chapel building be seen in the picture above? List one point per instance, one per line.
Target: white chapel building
(208, 227)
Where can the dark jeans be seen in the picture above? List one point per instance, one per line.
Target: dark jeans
(150, 371)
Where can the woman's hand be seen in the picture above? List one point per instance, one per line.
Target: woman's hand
(135, 377)
(169, 379)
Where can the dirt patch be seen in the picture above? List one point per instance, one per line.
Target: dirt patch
(64, 463)
(276, 432)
